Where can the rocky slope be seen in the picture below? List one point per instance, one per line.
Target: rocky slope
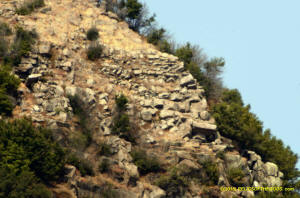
(166, 104)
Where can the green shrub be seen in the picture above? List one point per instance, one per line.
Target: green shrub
(109, 192)
(5, 29)
(92, 34)
(29, 6)
(22, 45)
(237, 122)
(145, 163)
(121, 125)
(82, 165)
(3, 48)
(221, 155)
(236, 177)
(158, 37)
(6, 106)
(81, 111)
(8, 82)
(94, 51)
(24, 184)
(104, 166)
(174, 184)
(104, 149)
(25, 147)
(121, 102)
(8, 88)
(211, 172)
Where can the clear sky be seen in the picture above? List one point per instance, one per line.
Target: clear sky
(260, 42)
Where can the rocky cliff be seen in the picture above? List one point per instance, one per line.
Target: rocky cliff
(165, 104)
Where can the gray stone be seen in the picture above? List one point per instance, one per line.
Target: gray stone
(203, 126)
(164, 114)
(102, 102)
(146, 115)
(59, 91)
(146, 103)
(233, 161)
(33, 78)
(204, 115)
(132, 170)
(187, 80)
(71, 90)
(157, 193)
(123, 155)
(176, 97)
(164, 95)
(89, 96)
(253, 156)
(62, 116)
(271, 169)
(44, 48)
(188, 164)
(24, 68)
(184, 107)
(273, 181)
(158, 103)
(247, 194)
(104, 96)
(70, 172)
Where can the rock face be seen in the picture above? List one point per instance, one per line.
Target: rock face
(167, 107)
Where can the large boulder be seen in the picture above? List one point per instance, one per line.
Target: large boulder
(271, 169)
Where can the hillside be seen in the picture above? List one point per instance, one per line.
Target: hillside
(135, 117)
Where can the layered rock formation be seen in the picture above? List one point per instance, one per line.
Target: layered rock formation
(165, 102)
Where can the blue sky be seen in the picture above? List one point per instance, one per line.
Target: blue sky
(260, 43)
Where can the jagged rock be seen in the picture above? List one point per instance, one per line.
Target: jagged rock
(164, 95)
(158, 103)
(71, 90)
(164, 114)
(157, 193)
(62, 117)
(70, 172)
(203, 127)
(44, 48)
(67, 66)
(188, 164)
(184, 107)
(24, 69)
(132, 170)
(204, 115)
(146, 103)
(33, 78)
(253, 156)
(271, 169)
(36, 108)
(59, 91)
(233, 161)
(123, 156)
(187, 80)
(102, 102)
(146, 115)
(176, 97)
(104, 96)
(247, 194)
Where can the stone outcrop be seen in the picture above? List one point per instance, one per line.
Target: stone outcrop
(165, 102)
